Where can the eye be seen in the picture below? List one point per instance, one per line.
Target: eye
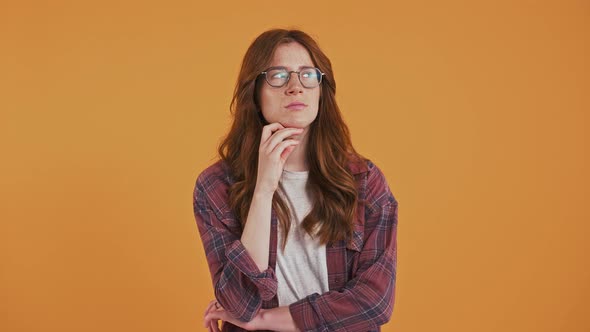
(309, 73)
(280, 74)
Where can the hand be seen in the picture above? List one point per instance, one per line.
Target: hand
(208, 322)
(275, 148)
(215, 312)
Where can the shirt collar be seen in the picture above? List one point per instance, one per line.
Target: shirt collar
(358, 166)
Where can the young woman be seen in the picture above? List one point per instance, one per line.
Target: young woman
(299, 230)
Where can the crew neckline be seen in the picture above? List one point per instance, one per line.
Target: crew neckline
(295, 174)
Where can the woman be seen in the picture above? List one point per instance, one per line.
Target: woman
(299, 230)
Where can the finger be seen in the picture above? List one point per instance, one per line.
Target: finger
(278, 151)
(214, 316)
(268, 130)
(207, 320)
(214, 326)
(210, 308)
(286, 153)
(206, 323)
(211, 304)
(281, 136)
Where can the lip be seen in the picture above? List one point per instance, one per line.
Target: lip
(296, 105)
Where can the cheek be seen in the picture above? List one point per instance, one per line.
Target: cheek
(267, 99)
(268, 105)
(317, 98)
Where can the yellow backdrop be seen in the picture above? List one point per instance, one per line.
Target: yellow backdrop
(476, 112)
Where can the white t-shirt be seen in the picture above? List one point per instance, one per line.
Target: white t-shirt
(301, 269)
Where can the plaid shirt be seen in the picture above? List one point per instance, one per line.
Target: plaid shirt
(361, 271)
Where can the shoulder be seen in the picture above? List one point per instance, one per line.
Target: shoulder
(212, 185)
(374, 184)
(214, 175)
(359, 165)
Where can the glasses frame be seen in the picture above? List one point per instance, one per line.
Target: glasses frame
(289, 72)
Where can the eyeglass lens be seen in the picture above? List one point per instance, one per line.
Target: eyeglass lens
(309, 77)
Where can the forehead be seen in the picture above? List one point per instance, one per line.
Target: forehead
(292, 56)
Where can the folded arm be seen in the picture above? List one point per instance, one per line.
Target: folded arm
(239, 284)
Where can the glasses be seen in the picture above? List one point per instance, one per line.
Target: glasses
(310, 77)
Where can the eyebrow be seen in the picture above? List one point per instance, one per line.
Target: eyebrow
(304, 66)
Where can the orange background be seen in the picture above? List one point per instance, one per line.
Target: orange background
(476, 113)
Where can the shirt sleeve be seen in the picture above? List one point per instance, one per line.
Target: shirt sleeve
(366, 301)
(239, 285)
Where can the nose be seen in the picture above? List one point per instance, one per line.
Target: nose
(294, 85)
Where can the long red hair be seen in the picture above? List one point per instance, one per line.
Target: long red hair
(329, 149)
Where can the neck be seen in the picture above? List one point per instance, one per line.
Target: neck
(297, 161)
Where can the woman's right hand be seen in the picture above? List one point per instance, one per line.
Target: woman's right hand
(275, 148)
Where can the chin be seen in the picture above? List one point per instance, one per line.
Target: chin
(288, 124)
(293, 123)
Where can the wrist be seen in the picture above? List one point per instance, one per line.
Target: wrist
(260, 321)
(262, 194)
(276, 319)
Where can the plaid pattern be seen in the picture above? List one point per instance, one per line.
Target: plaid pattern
(361, 271)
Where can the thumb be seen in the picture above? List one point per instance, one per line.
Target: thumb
(287, 152)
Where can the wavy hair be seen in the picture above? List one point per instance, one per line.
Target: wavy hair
(329, 148)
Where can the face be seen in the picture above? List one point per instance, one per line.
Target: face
(274, 101)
